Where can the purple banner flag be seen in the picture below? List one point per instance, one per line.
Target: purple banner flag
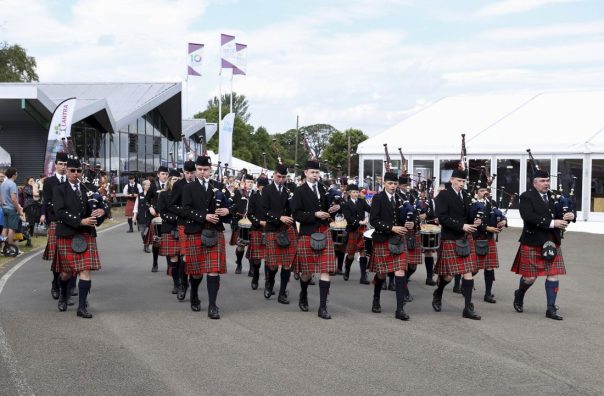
(241, 62)
(194, 57)
(228, 52)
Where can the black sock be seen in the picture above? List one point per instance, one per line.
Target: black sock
(195, 282)
(213, 286)
(239, 255)
(284, 279)
(489, 278)
(323, 292)
(524, 286)
(363, 264)
(256, 265)
(271, 275)
(55, 277)
(441, 284)
(72, 283)
(155, 255)
(64, 285)
(468, 287)
(84, 286)
(129, 223)
(377, 287)
(173, 268)
(349, 260)
(390, 277)
(429, 261)
(400, 283)
(181, 272)
(410, 271)
(340, 256)
(304, 287)
(457, 280)
(551, 291)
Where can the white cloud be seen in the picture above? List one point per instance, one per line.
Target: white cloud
(506, 7)
(563, 30)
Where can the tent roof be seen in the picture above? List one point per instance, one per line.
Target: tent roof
(550, 122)
(239, 164)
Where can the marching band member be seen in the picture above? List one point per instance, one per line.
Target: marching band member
(256, 247)
(241, 200)
(409, 214)
(142, 217)
(354, 210)
(169, 245)
(131, 191)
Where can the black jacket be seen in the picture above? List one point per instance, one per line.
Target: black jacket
(354, 212)
(70, 210)
(452, 213)
(168, 219)
(47, 197)
(197, 203)
(305, 203)
(383, 216)
(255, 213)
(275, 205)
(175, 205)
(143, 217)
(537, 217)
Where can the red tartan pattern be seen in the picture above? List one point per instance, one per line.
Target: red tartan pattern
(448, 263)
(149, 237)
(275, 256)
(184, 240)
(70, 261)
(204, 260)
(313, 262)
(356, 243)
(414, 256)
(528, 262)
(234, 237)
(491, 259)
(255, 250)
(382, 261)
(50, 253)
(168, 246)
(129, 209)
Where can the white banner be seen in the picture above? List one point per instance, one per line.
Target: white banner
(228, 51)
(60, 128)
(194, 57)
(241, 62)
(225, 139)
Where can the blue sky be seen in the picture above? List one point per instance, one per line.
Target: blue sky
(366, 64)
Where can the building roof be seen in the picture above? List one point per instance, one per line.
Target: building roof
(112, 105)
(549, 122)
(195, 127)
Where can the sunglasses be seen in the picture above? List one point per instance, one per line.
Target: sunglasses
(74, 170)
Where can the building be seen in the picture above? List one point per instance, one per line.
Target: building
(564, 130)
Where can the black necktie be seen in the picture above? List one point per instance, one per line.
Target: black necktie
(544, 196)
(77, 191)
(62, 179)
(162, 186)
(392, 201)
(460, 196)
(314, 189)
(279, 189)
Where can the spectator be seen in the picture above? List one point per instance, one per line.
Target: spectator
(31, 204)
(2, 176)
(12, 210)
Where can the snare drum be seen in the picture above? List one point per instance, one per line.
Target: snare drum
(338, 234)
(367, 236)
(430, 236)
(156, 224)
(245, 226)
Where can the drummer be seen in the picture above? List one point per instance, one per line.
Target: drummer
(354, 210)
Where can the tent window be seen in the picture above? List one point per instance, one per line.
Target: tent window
(597, 185)
(508, 178)
(567, 168)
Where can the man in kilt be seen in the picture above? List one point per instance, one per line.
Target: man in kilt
(75, 236)
(206, 204)
(169, 245)
(131, 191)
(175, 207)
(492, 223)
(540, 230)
(49, 216)
(280, 232)
(256, 247)
(241, 199)
(151, 199)
(310, 208)
(388, 250)
(457, 254)
(411, 216)
(354, 210)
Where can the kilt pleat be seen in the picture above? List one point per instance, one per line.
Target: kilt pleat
(382, 261)
(168, 246)
(414, 256)
(129, 209)
(70, 261)
(234, 237)
(309, 261)
(185, 241)
(255, 249)
(50, 252)
(356, 242)
(449, 263)
(491, 259)
(149, 240)
(205, 260)
(274, 255)
(529, 263)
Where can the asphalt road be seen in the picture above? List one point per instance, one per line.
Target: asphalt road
(143, 341)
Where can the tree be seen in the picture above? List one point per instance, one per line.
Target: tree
(317, 136)
(336, 151)
(240, 108)
(287, 146)
(15, 65)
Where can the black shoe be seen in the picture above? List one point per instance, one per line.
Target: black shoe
(254, 284)
(195, 303)
(182, 292)
(174, 289)
(62, 304)
(457, 289)
(55, 291)
(213, 312)
(268, 289)
(130, 230)
(552, 313)
(430, 281)
(401, 314)
(347, 272)
(490, 298)
(364, 280)
(303, 303)
(469, 313)
(83, 313)
(147, 249)
(437, 301)
(238, 269)
(282, 299)
(323, 314)
(250, 273)
(154, 268)
(518, 301)
(375, 306)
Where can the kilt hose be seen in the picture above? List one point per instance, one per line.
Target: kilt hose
(490, 260)
(70, 261)
(309, 261)
(356, 242)
(168, 246)
(129, 209)
(275, 256)
(255, 249)
(414, 256)
(206, 260)
(449, 263)
(530, 264)
(50, 252)
(185, 241)
(382, 261)
(149, 240)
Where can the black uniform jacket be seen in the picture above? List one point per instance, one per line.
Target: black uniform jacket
(537, 217)
(383, 216)
(354, 212)
(305, 203)
(47, 197)
(70, 210)
(175, 204)
(275, 205)
(197, 203)
(143, 217)
(453, 213)
(168, 219)
(254, 212)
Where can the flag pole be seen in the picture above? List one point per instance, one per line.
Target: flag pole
(231, 108)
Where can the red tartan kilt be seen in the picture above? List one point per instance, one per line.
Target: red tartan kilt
(309, 261)
(356, 243)
(204, 260)
(529, 263)
(51, 246)
(129, 209)
(168, 246)
(490, 260)
(382, 261)
(149, 238)
(255, 249)
(448, 263)
(184, 240)
(70, 261)
(234, 237)
(414, 256)
(274, 255)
